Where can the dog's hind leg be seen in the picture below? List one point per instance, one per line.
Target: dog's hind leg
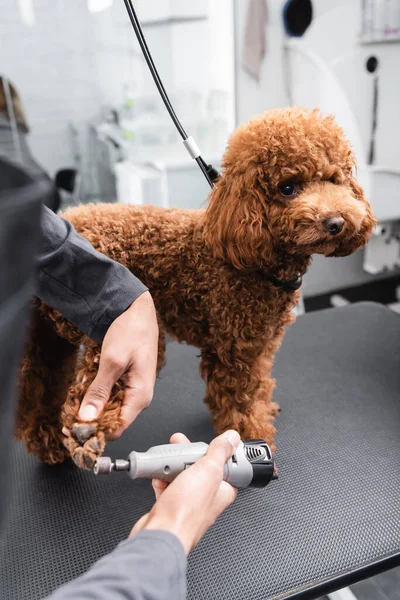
(47, 371)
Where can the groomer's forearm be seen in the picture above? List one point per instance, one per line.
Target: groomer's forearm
(151, 565)
(86, 287)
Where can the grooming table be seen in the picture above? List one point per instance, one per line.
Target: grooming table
(332, 518)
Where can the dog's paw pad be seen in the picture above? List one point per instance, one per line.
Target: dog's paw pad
(70, 443)
(83, 458)
(89, 459)
(83, 431)
(86, 455)
(93, 445)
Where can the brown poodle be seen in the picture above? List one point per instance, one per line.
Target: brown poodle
(224, 280)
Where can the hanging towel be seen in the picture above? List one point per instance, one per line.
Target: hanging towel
(254, 46)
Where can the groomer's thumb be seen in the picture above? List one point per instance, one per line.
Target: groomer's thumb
(95, 398)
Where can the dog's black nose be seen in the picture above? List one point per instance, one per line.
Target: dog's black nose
(333, 225)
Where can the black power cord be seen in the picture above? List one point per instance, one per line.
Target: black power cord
(208, 171)
(372, 65)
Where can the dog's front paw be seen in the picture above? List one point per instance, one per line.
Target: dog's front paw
(85, 443)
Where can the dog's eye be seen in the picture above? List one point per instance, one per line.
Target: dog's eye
(332, 180)
(288, 190)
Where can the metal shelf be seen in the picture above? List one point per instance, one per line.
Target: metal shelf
(173, 21)
(366, 40)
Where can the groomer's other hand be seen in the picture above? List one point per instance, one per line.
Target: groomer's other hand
(196, 498)
(129, 353)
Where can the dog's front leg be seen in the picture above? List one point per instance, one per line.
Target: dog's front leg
(86, 440)
(239, 392)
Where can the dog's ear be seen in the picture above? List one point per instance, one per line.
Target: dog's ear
(359, 194)
(356, 189)
(369, 219)
(235, 223)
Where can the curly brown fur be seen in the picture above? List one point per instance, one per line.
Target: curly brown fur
(47, 372)
(207, 272)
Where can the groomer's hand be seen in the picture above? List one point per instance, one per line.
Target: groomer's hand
(129, 353)
(195, 499)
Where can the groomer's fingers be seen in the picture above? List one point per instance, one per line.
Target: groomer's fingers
(179, 438)
(111, 367)
(225, 496)
(139, 525)
(129, 353)
(221, 449)
(137, 398)
(97, 395)
(139, 381)
(158, 485)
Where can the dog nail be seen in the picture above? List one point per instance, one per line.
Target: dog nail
(82, 432)
(77, 457)
(88, 461)
(94, 445)
(65, 431)
(69, 444)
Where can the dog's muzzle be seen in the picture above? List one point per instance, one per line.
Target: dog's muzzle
(333, 225)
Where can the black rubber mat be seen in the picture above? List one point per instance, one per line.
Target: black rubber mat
(331, 518)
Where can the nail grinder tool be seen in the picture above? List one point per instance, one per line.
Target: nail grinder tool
(252, 465)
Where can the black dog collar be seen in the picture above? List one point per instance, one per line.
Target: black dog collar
(290, 285)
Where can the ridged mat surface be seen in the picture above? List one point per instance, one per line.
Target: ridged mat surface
(334, 508)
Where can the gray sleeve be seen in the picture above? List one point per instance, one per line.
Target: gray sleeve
(88, 288)
(151, 565)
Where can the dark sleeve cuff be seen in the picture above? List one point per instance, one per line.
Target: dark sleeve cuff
(119, 293)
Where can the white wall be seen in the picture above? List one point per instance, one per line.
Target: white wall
(70, 64)
(333, 35)
(51, 65)
(254, 97)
